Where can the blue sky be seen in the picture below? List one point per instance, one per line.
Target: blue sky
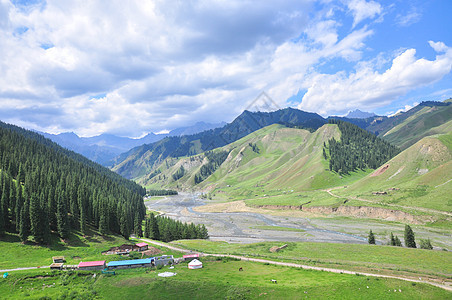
(133, 67)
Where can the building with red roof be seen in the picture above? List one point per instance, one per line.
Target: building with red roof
(92, 265)
(142, 246)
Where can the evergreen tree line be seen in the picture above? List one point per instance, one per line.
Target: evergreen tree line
(165, 229)
(215, 160)
(45, 188)
(357, 149)
(409, 236)
(161, 192)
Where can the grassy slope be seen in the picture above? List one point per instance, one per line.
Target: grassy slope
(427, 121)
(421, 173)
(14, 254)
(218, 279)
(288, 159)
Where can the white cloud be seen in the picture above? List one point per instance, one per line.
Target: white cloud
(362, 9)
(138, 66)
(413, 16)
(367, 89)
(404, 109)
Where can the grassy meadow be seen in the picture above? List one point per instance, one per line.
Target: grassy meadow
(218, 279)
(14, 254)
(353, 257)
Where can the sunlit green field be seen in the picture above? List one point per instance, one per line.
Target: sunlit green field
(218, 279)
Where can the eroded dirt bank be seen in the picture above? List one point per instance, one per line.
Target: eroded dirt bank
(355, 211)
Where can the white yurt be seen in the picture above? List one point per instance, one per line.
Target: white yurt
(195, 264)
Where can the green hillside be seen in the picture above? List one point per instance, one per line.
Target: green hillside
(271, 161)
(46, 189)
(141, 160)
(427, 121)
(420, 176)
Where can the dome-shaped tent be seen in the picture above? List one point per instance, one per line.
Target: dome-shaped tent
(195, 264)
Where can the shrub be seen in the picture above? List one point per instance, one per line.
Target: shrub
(425, 244)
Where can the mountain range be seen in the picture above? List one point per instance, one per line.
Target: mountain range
(103, 148)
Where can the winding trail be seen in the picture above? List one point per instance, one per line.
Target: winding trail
(294, 265)
(427, 210)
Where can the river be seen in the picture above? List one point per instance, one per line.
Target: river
(247, 227)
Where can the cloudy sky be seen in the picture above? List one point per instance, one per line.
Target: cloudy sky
(132, 67)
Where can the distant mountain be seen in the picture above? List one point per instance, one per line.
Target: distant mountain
(141, 160)
(198, 127)
(406, 128)
(103, 148)
(358, 114)
(62, 190)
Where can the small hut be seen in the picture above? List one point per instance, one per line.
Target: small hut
(56, 266)
(142, 246)
(58, 259)
(195, 264)
(190, 257)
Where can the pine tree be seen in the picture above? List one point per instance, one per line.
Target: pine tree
(2, 221)
(81, 198)
(21, 175)
(409, 237)
(62, 218)
(392, 240)
(4, 202)
(19, 205)
(371, 238)
(103, 221)
(124, 225)
(155, 230)
(397, 242)
(138, 225)
(24, 231)
(426, 244)
(147, 228)
(36, 222)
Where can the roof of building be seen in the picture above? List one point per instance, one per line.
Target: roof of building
(130, 262)
(91, 263)
(56, 265)
(57, 257)
(191, 255)
(195, 262)
(141, 245)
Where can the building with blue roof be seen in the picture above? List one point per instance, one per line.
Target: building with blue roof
(127, 264)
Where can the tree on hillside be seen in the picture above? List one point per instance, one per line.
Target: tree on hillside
(62, 218)
(36, 220)
(371, 238)
(425, 244)
(409, 237)
(155, 231)
(138, 225)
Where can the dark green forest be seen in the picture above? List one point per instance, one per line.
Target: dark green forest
(166, 229)
(357, 149)
(47, 189)
(215, 160)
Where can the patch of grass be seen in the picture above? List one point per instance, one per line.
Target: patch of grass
(347, 256)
